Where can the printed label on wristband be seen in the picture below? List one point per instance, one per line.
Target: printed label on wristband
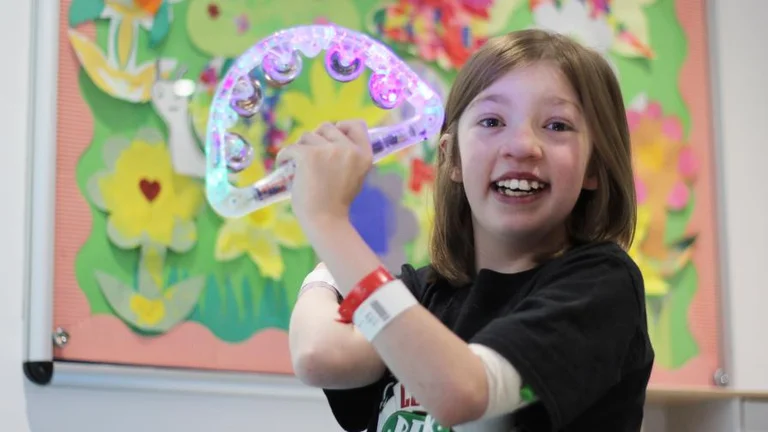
(382, 307)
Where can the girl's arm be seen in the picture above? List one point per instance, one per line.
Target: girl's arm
(326, 353)
(434, 364)
(437, 367)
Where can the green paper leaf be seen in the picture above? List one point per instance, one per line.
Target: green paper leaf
(659, 78)
(231, 317)
(672, 339)
(161, 25)
(180, 300)
(118, 296)
(83, 11)
(677, 221)
(115, 116)
(94, 192)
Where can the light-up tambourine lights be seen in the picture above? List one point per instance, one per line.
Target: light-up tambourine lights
(347, 55)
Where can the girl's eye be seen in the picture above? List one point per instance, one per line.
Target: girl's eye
(559, 126)
(490, 122)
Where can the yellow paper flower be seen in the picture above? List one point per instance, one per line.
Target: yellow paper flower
(655, 285)
(114, 69)
(664, 170)
(129, 17)
(329, 101)
(147, 202)
(261, 233)
(148, 312)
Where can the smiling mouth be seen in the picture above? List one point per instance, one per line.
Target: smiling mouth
(519, 187)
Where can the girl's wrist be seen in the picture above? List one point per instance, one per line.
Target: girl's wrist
(323, 224)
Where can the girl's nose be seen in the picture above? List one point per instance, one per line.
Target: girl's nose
(522, 143)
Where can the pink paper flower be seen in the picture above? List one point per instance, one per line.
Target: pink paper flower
(653, 110)
(664, 168)
(687, 164)
(672, 128)
(641, 190)
(678, 196)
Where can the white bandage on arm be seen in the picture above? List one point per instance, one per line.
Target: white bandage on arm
(320, 278)
(504, 382)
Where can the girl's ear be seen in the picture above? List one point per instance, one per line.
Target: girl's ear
(445, 139)
(445, 151)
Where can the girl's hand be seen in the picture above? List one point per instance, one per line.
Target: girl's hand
(331, 165)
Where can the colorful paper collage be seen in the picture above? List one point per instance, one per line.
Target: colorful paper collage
(149, 274)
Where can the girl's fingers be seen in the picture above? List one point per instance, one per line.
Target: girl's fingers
(312, 138)
(290, 153)
(356, 131)
(296, 151)
(331, 133)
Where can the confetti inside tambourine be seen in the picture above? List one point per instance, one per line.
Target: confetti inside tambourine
(279, 56)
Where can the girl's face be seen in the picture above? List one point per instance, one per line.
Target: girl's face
(524, 149)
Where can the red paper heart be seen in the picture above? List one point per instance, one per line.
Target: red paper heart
(150, 189)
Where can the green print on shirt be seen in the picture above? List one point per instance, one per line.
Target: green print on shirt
(406, 421)
(527, 395)
(401, 412)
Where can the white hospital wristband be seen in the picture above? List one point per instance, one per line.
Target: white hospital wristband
(381, 307)
(319, 277)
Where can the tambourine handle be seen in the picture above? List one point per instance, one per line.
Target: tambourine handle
(276, 186)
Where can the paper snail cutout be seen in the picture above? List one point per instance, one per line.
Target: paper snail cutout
(347, 54)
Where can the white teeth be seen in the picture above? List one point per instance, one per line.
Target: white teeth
(510, 192)
(519, 185)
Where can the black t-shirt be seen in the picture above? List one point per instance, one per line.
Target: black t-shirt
(574, 328)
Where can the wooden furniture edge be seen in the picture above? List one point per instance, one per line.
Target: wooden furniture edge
(659, 395)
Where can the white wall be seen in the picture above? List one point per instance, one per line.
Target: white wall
(741, 74)
(741, 63)
(14, 83)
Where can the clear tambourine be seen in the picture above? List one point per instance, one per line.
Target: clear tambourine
(279, 59)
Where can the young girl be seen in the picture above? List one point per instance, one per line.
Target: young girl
(531, 316)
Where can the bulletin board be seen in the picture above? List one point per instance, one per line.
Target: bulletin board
(147, 274)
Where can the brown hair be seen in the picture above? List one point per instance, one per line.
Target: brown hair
(606, 214)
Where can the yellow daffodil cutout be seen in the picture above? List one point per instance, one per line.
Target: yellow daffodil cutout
(115, 69)
(260, 234)
(147, 202)
(655, 285)
(328, 101)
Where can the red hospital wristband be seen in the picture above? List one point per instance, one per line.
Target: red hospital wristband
(367, 285)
